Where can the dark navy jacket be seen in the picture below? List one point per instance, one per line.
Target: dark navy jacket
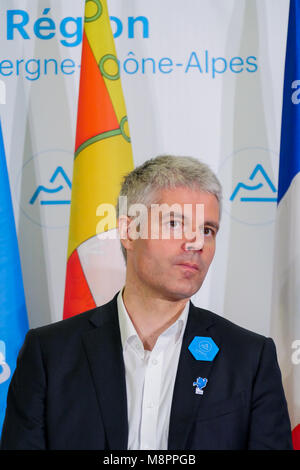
(69, 390)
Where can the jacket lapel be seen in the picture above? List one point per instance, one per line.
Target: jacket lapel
(105, 357)
(185, 401)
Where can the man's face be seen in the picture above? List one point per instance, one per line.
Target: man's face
(175, 268)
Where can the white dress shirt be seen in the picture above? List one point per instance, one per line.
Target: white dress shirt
(150, 377)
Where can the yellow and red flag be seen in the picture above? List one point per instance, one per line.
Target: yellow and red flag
(103, 155)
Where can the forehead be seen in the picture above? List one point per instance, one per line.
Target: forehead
(184, 195)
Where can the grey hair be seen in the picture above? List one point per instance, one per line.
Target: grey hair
(144, 183)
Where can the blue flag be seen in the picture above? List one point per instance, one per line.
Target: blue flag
(13, 315)
(285, 317)
(289, 165)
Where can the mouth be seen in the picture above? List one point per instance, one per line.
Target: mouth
(189, 266)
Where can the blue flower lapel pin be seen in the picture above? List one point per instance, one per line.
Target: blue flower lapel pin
(200, 384)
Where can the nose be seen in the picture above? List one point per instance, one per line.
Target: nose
(194, 242)
(189, 246)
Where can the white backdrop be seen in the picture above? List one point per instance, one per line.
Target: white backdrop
(200, 78)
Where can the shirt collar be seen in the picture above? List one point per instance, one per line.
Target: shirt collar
(128, 330)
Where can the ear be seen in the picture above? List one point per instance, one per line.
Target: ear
(124, 231)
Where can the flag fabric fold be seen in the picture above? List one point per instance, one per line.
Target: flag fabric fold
(103, 155)
(285, 318)
(13, 314)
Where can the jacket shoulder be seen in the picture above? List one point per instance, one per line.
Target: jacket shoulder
(239, 346)
(230, 331)
(77, 324)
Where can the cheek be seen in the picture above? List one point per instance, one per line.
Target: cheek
(210, 253)
(146, 255)
(154, 257)
(156, 249)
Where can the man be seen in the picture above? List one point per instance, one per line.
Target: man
(149, 370)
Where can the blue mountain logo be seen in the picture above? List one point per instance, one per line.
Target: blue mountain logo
(48, 190)
(255, 187)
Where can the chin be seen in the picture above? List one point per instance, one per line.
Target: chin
(183, 293)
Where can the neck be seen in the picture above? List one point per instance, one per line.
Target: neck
(151, 315)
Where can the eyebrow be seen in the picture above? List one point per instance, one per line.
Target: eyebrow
(212, 224)
(173, 214)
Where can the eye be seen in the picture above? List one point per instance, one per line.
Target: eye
(174, 223)
(209, 232)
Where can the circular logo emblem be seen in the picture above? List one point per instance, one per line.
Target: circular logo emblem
(204, 347)
(44, 188)
(249, 179)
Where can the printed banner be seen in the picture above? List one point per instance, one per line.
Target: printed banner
(203, 79)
